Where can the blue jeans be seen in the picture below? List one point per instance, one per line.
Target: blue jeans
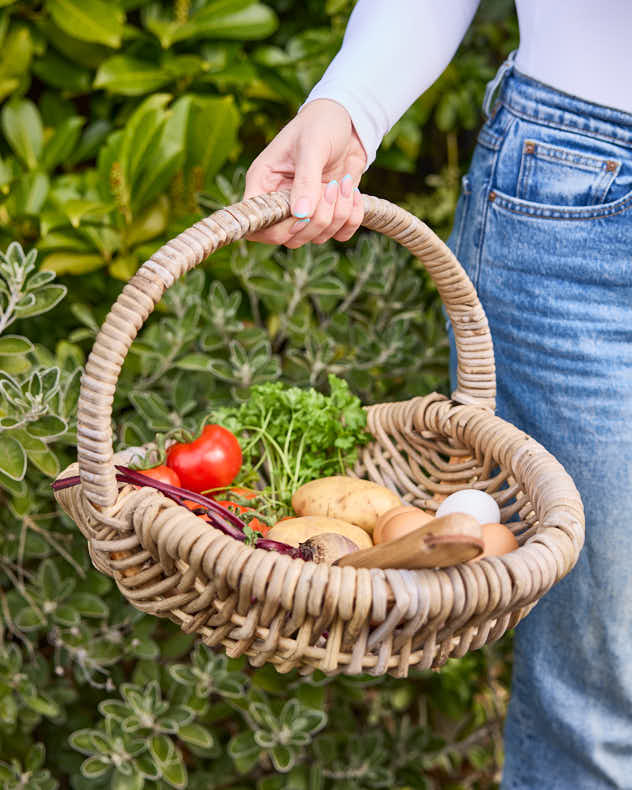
(544, 230)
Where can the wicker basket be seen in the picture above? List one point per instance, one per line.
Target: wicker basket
(296, 614)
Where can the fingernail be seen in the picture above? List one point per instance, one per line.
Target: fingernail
(347, 185)
(299, 225)
(302, 208)
(356, 195)
(331, 191)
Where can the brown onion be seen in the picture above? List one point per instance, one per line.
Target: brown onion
(326, 547)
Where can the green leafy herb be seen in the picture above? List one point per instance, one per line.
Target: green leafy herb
(291, 435)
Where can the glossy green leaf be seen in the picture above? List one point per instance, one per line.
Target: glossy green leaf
(62, 74)
(141, 132)
(12, 457)
(129, 76)
(91, 140)
(89, 20)
(29, 194)
(16, 52)
(237, 19)
(123, 267)
(14, 344)
(78, 210)
(22, 126)
(161, 22)
(72, 262)
(183, 65)
(212, 135)
(150, 223)
(168, 156)
(61, 144)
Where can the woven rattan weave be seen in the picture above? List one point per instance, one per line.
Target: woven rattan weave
(296, 614)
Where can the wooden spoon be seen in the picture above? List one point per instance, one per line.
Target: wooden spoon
(443, 541)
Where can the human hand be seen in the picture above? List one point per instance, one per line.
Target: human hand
(320, 158)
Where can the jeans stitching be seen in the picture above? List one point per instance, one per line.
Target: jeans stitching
(524, 174)
(487, 189)
(558, 125)
(558, 154)
(506, 202)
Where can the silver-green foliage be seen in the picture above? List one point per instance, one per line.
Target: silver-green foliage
(37, 400)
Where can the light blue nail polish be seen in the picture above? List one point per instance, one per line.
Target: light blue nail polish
(300, 215)
(333, 181)
(304, 221)
(347, 176)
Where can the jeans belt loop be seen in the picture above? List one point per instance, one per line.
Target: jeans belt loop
(494, 84)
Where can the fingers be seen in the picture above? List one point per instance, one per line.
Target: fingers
(326, 223)
(311, 155)
(355, 219)
(341, 213)
(308, 229)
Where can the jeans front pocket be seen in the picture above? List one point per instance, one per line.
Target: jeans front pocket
(557, 175)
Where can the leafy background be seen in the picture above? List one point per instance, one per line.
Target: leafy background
(122, 123)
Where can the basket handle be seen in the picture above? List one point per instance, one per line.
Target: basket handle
(476, 381)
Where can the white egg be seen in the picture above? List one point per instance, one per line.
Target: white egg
(473, 502)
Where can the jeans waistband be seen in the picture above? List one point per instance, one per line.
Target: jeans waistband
(543, 104)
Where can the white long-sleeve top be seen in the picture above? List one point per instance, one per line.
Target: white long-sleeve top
(393, 50)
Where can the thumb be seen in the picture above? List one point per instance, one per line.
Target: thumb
(310, 160)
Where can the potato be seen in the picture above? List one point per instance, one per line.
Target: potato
(348, 498)
(297, 530)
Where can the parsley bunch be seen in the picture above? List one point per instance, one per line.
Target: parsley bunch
(290, 435)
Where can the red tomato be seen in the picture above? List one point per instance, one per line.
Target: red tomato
(163, 474)
(246, 493)
(210, 461)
